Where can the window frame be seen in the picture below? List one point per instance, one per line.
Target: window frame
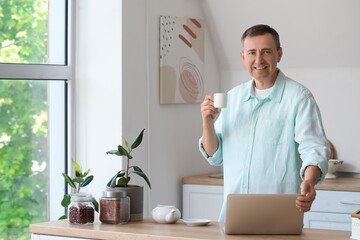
(49, 72)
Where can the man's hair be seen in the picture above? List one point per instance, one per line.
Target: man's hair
(261, 29)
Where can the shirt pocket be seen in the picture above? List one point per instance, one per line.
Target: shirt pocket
(277, 131)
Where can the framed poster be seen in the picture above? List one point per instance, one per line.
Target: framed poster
(181, 60)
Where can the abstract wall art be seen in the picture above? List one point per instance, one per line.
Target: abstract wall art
(181, 60)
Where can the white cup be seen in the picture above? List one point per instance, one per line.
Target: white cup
(220, 100)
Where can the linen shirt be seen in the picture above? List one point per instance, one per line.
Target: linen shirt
(265, 146)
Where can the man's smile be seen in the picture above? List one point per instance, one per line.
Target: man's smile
(260, 68)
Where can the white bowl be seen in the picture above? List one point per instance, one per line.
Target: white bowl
(334, 164)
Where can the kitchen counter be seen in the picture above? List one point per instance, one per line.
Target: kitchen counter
(336, 184)
(149, 230)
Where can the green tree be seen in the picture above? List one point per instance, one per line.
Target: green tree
(23, 119)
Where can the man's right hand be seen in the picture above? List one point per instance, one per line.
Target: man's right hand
(208, 112)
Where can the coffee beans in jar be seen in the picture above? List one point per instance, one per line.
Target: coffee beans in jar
(81, 210)
(114, 207)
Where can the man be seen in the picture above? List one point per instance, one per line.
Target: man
(270, 138)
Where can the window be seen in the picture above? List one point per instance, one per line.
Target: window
(35, 90)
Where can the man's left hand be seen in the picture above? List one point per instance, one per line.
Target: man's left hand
(305, 200)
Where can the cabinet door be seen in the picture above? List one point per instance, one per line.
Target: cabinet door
(336, 201)
(202, 201)
(332, 221)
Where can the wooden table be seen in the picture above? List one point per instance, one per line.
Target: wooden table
(149, 230)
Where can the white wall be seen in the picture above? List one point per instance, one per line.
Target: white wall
(111, 104)
(320, 41)
(169, 151)
(98, 89)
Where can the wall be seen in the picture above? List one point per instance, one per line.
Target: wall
(112, 103)
(169, 151)
(98, 102)
(320, 45)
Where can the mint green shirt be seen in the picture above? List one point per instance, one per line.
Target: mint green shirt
(265, 146)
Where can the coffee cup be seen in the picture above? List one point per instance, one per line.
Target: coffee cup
(220, 100)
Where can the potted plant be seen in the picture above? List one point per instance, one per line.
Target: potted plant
(80, 202)
(120, 181)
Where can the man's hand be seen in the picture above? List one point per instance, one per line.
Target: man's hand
(305, 200)
(208, 112)
(307, 188)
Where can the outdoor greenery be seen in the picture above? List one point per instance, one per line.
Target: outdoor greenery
(23, 119)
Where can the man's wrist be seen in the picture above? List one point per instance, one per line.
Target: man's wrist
(312, 174)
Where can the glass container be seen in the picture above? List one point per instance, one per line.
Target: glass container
(114, 207)
(81, 210)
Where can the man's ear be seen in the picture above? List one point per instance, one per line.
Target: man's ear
(242, 55)
(280, 53)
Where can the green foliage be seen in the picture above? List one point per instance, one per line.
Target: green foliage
(20, 20)
(23, 120)
(81, 180)
(122, 177)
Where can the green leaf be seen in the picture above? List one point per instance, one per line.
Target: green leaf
(123, 152)
(126, 143)
(95, 203)
(77, 167)
(112, 152)
(87, 172)
(138, 140)
(112, 182)
(87, 181)
(62, 217)
(141, 174)
(68, 180)
(122, 181)
(78, 179)
(136, 168)
(66, 200)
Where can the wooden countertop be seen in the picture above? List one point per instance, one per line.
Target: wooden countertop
(336, 184)
(150, 230)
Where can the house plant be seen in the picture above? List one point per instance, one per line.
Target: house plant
(80, 202)
(120, 181)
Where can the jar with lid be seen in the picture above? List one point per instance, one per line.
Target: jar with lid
(81, 210)
(114, 207)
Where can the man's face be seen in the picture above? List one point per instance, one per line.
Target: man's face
(260, 57)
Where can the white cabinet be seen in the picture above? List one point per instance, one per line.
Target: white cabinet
(202, 201)
(330, 210)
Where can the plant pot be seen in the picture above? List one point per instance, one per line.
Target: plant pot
(136, 194)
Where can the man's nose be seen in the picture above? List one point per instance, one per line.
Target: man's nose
(259, 58)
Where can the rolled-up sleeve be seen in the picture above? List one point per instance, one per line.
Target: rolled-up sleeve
(309, 134)
(216, 158)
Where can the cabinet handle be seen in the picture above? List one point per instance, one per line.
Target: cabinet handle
(350, 202)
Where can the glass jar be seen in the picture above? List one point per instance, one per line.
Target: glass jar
(114, 207)
(81, 210)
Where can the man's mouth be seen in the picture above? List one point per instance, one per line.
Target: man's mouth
(260, 68)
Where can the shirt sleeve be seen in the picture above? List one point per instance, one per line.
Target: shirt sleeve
(310, 135)
(216, 159)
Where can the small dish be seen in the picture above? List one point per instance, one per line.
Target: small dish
(196, 222)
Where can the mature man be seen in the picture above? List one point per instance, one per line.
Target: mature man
(270, 138)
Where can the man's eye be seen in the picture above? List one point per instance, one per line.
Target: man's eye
(267, 52)
(251, 53)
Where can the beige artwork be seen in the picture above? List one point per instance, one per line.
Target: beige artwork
(181, 60)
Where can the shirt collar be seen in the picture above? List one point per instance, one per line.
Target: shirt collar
(276, 93)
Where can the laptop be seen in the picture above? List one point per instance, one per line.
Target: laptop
(262, 214)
